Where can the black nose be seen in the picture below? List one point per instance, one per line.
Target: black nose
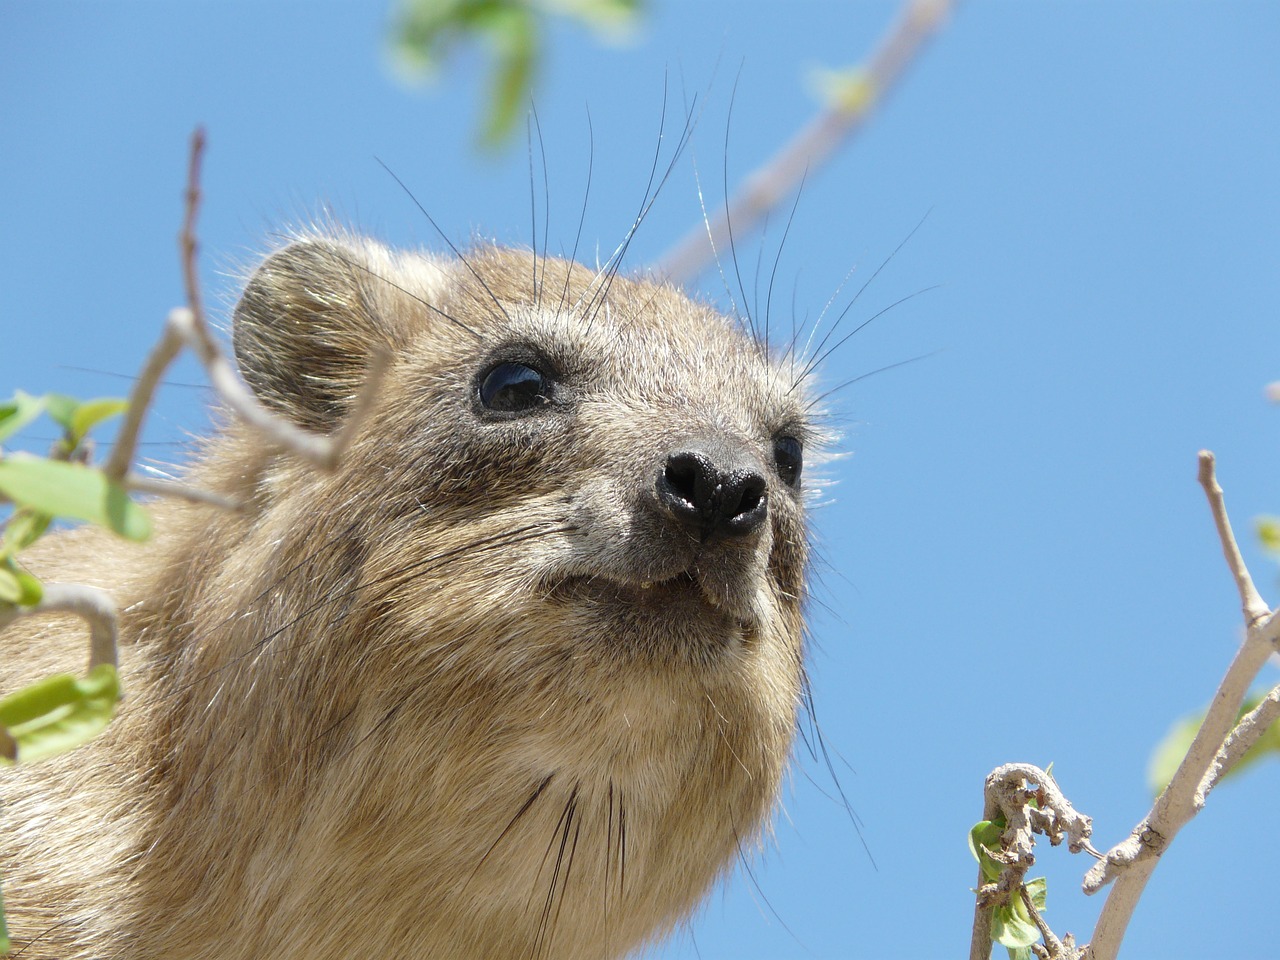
(729, 500)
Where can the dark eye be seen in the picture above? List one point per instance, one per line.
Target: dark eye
(788, 456)
(515, 388)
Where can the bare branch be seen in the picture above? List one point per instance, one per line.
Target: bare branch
(144, 388)
(95, 607)
(809, 149)
(323, 451)
(172, 488)
(171, 342)
(1131, 862)
(1252, 603)
(189, 324)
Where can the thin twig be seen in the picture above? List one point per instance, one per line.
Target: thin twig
(144, 388)
(95, 607)
(1131, 862)
(811, 147)
(189, 324)
(1254, 607)
(159, 487)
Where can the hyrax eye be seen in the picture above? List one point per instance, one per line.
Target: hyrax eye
(515, 388)
(788, 457)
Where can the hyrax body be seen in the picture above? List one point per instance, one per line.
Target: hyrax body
(518, 679)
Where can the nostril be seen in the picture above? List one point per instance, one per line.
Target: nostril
(682, 472)
(699, 493)
(742, 501)
(750, 493)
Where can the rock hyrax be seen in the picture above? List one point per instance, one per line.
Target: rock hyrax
(518, 679)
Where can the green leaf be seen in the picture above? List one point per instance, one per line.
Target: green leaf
(61, 408)
(17, 412)
(1039, 892)
(77, 417)
(1268, 529)
(516, 36)
(1168, 754)
(4, 931)
(90, 413)
(72, 490)
(983, 838)
(10, 589)
(850, 90)
(56, 714)
(24, 528)
(1012, 926)
(17, 587)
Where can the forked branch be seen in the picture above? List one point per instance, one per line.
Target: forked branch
(1218, 745)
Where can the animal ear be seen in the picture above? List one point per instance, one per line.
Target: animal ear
(305, 329)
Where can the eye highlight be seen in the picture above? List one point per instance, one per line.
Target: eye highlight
(788, 458)
(514, 388)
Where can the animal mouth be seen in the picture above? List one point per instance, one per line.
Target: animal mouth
(683, 595)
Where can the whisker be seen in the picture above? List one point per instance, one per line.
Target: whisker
(443, 236)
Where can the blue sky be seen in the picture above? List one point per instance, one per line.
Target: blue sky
(1016, 562)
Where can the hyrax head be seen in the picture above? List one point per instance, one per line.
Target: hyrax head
(596, 464)
(549, 599)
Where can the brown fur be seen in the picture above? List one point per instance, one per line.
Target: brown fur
(470, 695)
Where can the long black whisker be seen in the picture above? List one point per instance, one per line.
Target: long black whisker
(816, 361)
(870, 373)
(443, 236)
(836, 325)
(777, 258)
(365, 268)
(524, 808)
(728, 220)
(546, 209)
(582, 215)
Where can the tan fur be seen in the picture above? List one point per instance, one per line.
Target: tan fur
(470, 695)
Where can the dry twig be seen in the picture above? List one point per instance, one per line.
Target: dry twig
(95, 607)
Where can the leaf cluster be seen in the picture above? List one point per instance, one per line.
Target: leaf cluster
(59, 712)
(1011, 924)
(428, 31)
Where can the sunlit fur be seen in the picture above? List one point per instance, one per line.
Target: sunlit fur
(470, 695)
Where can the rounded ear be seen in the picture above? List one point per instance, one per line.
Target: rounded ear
(305, 328)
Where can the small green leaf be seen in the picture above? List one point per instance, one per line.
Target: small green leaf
(24, 528)
(983, 838)
(516, 40)
(1012, 926)
(611, 20)
(1268, 529)
(1039, 892)
(4, 931)
(10, 589)
(17, 587)
(90, 413)
(850, 90)
(31, 589)
(61, 408)
(58, 713)
(17, 412)
(72, 490)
